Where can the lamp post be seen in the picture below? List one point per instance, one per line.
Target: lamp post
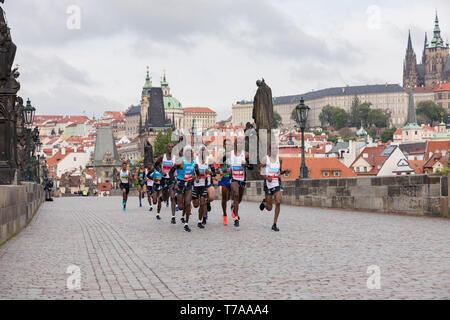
(302, 116)
(38, 149)
(28, 118)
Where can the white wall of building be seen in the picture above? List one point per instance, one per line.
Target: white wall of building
(390, 165)
(72, 161)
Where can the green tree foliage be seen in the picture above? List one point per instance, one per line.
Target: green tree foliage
(363, 113)
(378, 118)
(294, 116)
(340, 118)
(333, 138)
(334, 116)
(161, 142)
(387, 135)
(326, 116)
(277, 121)
(354, 119)
(444, 172)
(430, 112)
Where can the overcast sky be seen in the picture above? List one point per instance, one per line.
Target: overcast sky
(213, 50)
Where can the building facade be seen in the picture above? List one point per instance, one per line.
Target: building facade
(434, 68)
(391, 98)
(198, 117)
(132, 121)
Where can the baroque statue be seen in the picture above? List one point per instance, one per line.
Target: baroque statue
(9, 115)
(263, 106)
(148, 153)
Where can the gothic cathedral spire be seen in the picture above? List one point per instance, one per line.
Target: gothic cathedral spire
(410, 75)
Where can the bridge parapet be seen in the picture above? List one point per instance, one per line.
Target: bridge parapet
(18, 203)
(419, 195)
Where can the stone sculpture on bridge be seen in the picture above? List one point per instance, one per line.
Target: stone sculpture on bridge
(8, 113)
(148, 153)
(263, 117)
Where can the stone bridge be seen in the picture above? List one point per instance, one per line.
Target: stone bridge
(318, 254)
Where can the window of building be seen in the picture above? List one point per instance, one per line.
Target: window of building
(365, 169)
(325, 173)
(336, 173)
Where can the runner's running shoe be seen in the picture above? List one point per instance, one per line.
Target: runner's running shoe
(158, 217)
(275, 228)
(200, 225)
(151, 209)
(225, 220)
(173, 221)
(262, 206)
(182, 220)
(186, 228)
(236, 223)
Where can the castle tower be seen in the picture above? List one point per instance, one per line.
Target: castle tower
(145, 98)
(165, 85)
(425, 46)
(437, 66)
(410, 75)
(148, 84)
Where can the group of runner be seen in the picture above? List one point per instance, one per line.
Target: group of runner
(187, 181)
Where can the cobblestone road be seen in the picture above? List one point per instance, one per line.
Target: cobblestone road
(319, 254)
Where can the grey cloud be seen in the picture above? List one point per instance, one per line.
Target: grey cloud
(255, 25)
(38, 69)
(69, 100)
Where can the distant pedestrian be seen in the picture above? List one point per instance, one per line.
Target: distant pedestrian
(48, 188)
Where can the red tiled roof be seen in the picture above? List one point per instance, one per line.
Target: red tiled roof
(316, 167)
(437, 157)
(424, 89)
(417, 165)
(373, 158)
(398, 131)
(436, 146)
(90, 172)
(443, 87)
(104, 186)
(198, 109)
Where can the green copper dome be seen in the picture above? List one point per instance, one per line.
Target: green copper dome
(172, 103)
(148, 83)
(361, 132)
(164, 82)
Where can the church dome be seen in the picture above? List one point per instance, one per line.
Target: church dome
(172, 103)
(361, 132)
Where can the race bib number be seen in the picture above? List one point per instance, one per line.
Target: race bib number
(238, 172)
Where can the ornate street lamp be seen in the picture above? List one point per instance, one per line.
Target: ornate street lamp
(28, 118)
(38, 149)
(302, 116)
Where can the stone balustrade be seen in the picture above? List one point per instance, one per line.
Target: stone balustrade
(18, 203)
(419, 195)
